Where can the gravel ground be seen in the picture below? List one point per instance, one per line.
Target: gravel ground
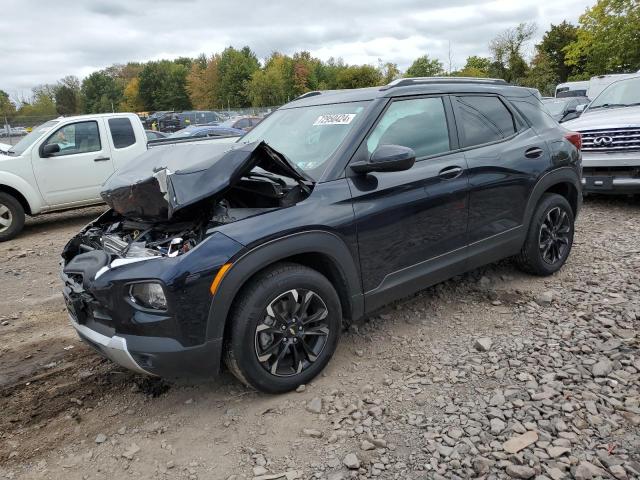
(494, 374)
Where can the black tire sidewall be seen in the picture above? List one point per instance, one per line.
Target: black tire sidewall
(17, 213)
(548, 203)
(251, 310)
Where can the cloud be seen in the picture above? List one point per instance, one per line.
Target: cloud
(44, 41)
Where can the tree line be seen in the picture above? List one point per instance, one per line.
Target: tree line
(605, 40)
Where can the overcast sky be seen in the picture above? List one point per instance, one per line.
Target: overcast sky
(43, 40)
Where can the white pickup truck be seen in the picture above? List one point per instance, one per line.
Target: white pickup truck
(63, 163)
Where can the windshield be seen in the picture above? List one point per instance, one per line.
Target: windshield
(623, 93)
(37, 132)
(308, 136)
(555, 107)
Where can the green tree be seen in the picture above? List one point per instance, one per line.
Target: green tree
(101, 93)
(425, 67)
(541, 75)
(608, 38)
(358, 76)
(235, 68)
(163, 86)
(507, 49)
(389, 72)
(553, 47)
(7, 107)
(67, 96)
(475, 67)
(274, 84)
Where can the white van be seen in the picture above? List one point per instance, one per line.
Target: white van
(572, 89)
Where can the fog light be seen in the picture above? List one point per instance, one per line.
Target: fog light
(148, 295)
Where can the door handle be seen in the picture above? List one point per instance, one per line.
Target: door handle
(533, 152)
(450, 173)
(101, 159)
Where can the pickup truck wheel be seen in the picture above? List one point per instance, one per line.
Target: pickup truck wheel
(11, 217)
(284, 328)
(550, 237)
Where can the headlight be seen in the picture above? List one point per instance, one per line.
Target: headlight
(148, 295)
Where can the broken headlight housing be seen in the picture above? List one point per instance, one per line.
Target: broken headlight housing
(148, 295)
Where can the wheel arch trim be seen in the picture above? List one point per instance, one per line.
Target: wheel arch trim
(564, 175)
(251, 261)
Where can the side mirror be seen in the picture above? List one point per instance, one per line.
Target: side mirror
(580, 108)
(387, 158)
(50, 150)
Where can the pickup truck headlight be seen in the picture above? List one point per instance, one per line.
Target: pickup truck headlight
(148, 295)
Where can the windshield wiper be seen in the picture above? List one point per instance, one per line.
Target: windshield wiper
(609, 105)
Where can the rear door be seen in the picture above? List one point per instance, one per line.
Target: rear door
(505, 157)
(76, 173)
(410, 222)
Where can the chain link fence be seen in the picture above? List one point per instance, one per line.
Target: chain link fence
(13, 129)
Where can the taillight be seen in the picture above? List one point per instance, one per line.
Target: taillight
(575, 138)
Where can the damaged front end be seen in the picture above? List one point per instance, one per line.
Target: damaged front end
(133, 291)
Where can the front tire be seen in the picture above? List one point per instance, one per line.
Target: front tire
(284, 326)
(550, 237)
(11, 217)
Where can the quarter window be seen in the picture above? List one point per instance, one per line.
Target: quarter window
(484, 120)
(420, 124)
(81, 137)
(122, 132)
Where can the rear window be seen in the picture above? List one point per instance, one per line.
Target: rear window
(122, 132)
(484, 120)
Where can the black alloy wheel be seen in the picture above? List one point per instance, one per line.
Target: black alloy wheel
(293, 332)
(554, 237)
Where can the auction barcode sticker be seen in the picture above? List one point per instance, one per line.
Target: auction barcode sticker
(335, 119)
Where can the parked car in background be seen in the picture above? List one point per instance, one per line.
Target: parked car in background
(63, 163)
(240, 123)
(335, 205)
(610, 128)
(154, 118)
(155, 135)
(197, 131)
(563, 109)
(572, 89)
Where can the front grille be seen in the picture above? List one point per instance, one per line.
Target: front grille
(611, 140)
(611, 171)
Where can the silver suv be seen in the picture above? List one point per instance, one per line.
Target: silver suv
(610, 128)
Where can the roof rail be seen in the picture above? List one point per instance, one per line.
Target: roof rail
(309, 94)
(404, 82)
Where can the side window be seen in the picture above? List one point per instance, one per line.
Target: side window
(122, 132)
(82, 137)
(420, 124)
(484, 120)
(533, 111)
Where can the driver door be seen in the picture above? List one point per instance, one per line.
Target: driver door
(76, 173)
(412, 224)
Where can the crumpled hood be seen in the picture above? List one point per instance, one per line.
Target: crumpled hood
(166, 179)
(605, 118)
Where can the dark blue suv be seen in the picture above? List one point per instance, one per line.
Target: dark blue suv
(258, 252)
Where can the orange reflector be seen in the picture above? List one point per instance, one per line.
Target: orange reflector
(220, 275)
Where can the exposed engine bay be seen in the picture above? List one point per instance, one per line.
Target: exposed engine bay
(162, 215)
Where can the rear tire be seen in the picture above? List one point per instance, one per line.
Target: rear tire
(550, 237)
(284, 328)
(11, 217)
